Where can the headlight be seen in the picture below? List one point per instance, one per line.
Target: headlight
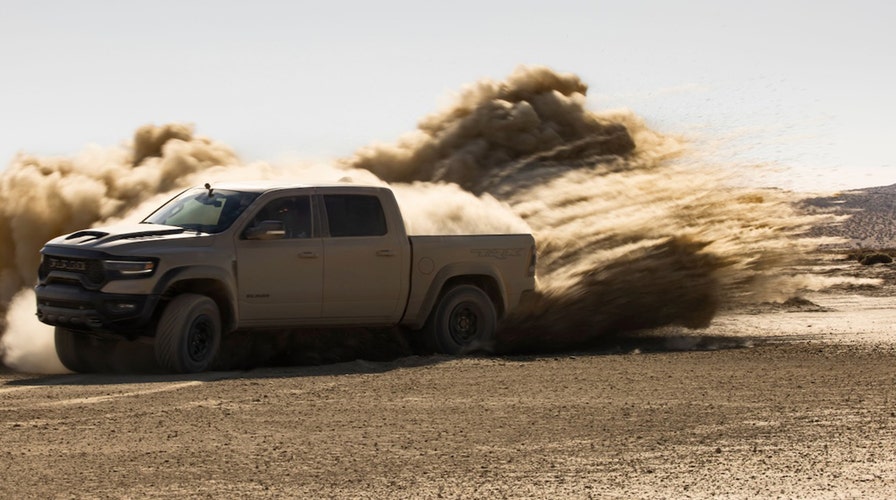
(130, 268)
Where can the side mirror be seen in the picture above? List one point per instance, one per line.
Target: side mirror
(266, 230)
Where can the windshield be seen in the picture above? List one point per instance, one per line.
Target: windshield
(199, 210)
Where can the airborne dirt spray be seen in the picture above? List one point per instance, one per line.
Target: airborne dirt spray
(633, 232)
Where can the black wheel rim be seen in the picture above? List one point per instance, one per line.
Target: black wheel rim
(200, 338)
(463, 323)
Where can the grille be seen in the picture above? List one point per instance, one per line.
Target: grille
(91, 270)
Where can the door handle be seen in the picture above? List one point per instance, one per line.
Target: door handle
(385, 253)
(307, 255)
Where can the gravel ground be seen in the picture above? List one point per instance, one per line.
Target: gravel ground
(776, 401)
(795, 412)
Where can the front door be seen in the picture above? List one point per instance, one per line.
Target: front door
(280, 275)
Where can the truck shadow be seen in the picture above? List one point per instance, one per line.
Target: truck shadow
(384, 349)
(279, 354)
(355, 367)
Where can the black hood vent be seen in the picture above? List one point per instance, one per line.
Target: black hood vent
(148, 231)
(86, 236)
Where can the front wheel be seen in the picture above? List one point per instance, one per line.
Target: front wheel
(188, 334)
(464, 320)
(73, 349)
(81, 352)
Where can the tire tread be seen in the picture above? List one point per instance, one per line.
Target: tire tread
(171, 329)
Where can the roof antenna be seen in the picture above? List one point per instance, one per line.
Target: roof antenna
(209, 187)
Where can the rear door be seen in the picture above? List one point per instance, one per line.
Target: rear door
(363, 260)
(281, 279)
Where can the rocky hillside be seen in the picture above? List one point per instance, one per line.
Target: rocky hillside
(872, 216)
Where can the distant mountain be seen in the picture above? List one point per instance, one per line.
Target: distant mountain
(872, 216)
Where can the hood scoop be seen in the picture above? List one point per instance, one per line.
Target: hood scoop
(86, 236)
(122, 233)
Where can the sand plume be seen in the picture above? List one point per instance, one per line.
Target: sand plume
(634, 230)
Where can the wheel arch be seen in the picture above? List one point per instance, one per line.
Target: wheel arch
(484, 278)
(209, 281)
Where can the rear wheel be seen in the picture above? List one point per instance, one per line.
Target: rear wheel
(188, 335)
(464, 320)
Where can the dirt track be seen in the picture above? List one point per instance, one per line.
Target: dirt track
(803, 410)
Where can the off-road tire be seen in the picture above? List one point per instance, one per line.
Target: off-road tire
(188, 334)
(71, 347)
(81, 353)
(463, 321)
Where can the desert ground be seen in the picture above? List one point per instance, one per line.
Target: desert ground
(790, 400)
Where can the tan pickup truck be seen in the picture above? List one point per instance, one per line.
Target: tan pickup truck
(221, 258)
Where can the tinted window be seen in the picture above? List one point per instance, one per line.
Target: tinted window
(355, 215)
(294, 212)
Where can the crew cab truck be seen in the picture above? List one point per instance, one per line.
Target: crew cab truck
(246, 256)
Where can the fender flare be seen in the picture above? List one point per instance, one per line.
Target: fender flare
(459, 271)
(169, 281)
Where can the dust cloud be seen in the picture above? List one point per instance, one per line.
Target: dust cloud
(45, 197)
(634, 230)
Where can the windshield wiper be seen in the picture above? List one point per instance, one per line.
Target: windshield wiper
(194, 227)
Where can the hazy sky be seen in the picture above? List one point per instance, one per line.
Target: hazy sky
(804, 84)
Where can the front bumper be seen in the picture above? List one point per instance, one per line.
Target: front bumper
(76, 308)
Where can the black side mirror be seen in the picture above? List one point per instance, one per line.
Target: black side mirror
(266, 230)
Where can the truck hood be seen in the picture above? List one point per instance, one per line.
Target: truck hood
(128, 235)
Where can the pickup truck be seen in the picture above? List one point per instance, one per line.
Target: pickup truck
(249, 256)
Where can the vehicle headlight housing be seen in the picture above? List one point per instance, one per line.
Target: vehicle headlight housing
(128, 269)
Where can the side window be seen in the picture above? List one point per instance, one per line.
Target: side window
(354, 215)
(294, 212)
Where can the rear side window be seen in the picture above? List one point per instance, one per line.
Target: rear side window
(354, 215)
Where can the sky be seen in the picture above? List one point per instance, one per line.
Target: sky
(806, 87)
